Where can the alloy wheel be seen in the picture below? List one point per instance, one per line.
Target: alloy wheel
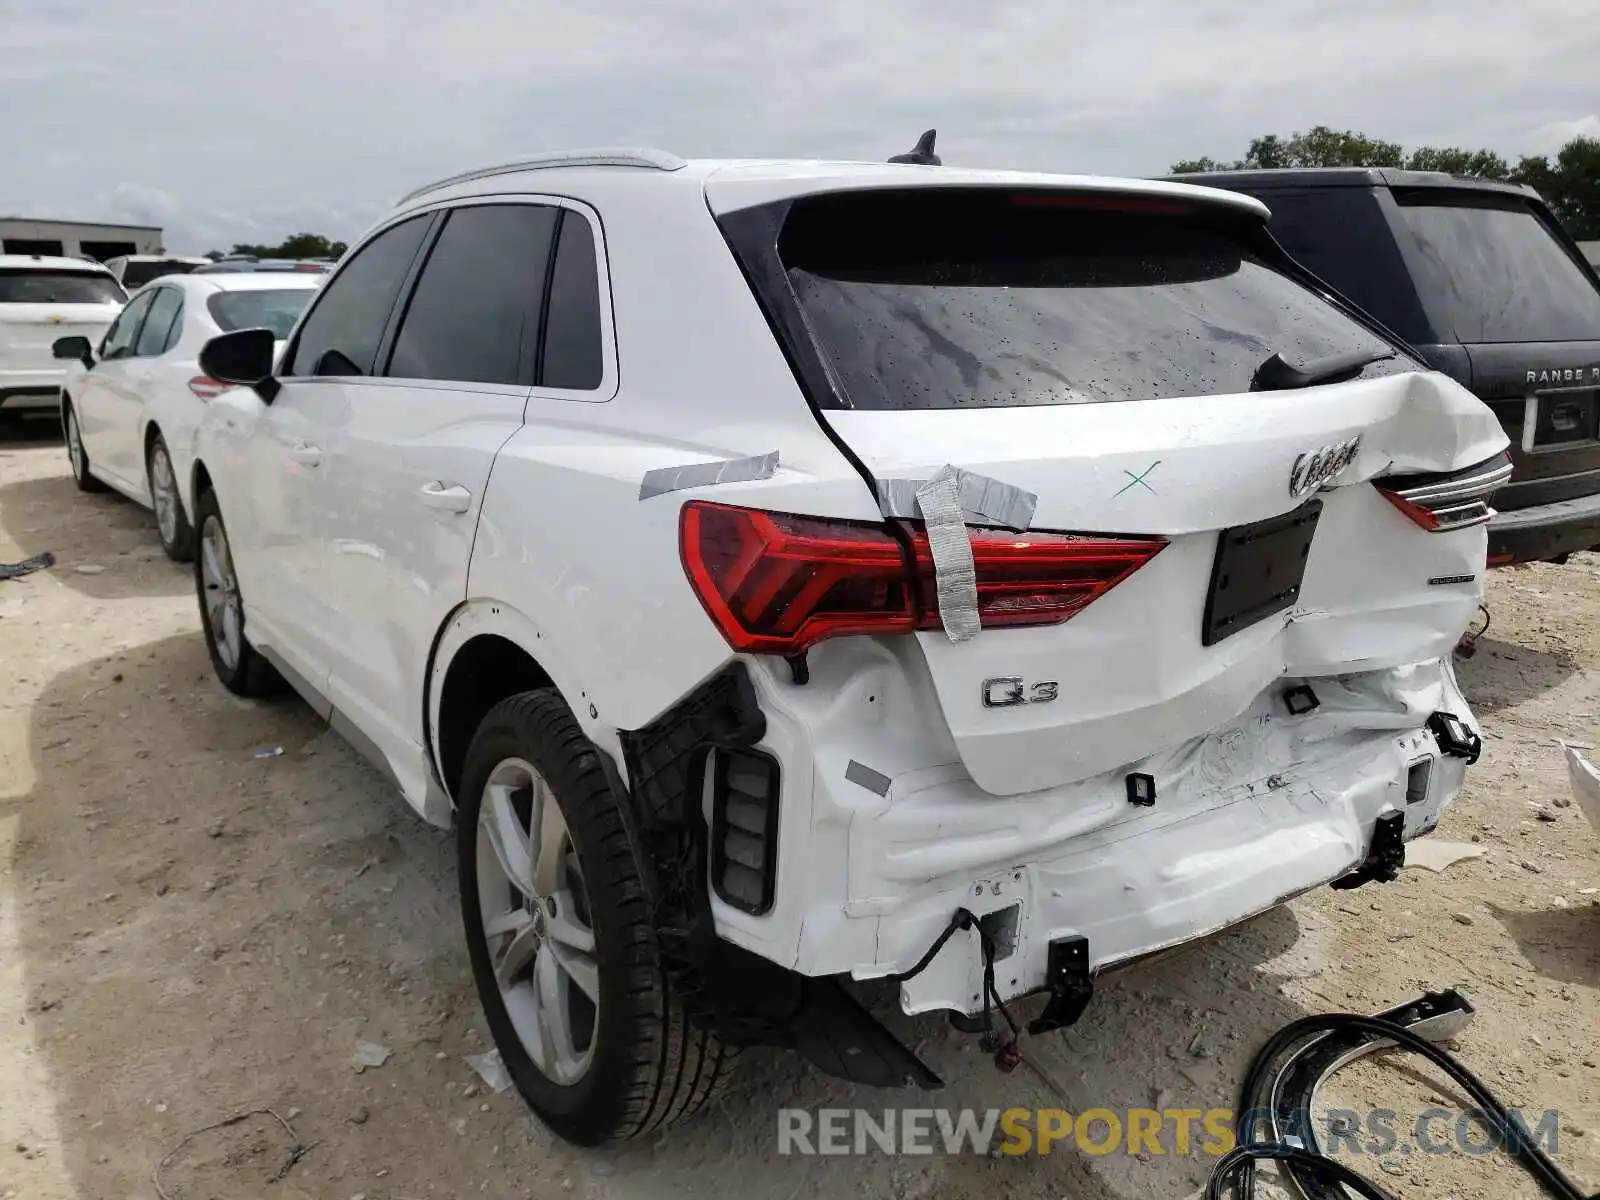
(223, 611)
(164, 493)
(74, 444)
(537, 922)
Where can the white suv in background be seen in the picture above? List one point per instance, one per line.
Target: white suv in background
(801, 582)
(41, 301)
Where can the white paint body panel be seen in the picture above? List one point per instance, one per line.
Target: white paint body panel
(369, 598)
(1132, 673)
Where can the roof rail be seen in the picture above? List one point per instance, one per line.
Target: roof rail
(658, 160)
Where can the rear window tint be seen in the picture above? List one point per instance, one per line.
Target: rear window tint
(276, 310)
(58, 287)
(1497, 272)
(958, 299)
(137, 274)
(1341, 235)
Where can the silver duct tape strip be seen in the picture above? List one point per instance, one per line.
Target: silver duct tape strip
(984, 501)
(954, 575)
(732, 470)
(873, 781)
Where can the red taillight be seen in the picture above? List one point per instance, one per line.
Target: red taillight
(1036, 578)
(1424, 517)
(208, 388)
(1445, 503)
(777, 584)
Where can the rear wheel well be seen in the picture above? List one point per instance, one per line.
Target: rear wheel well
(202, 484)
(485, 671)
(151, 433)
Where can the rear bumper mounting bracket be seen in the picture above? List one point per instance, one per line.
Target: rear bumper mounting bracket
(1070, 984)
(1386, 854)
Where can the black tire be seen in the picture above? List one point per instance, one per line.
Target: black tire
(650, 1068)
(249, 674)
(77, 456)
(179, 545)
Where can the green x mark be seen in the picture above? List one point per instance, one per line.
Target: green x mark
(1139, 479)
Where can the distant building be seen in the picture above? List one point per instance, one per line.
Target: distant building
(1591, 251)
(77, 239)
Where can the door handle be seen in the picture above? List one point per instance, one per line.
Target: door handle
(306, 455)
(446, 497)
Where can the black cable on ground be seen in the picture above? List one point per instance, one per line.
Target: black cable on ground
(1238, 1168)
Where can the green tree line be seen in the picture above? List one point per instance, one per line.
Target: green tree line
(301, 245)
(1569, 182)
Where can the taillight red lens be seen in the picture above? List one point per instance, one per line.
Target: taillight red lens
(1445, 503)
(1425, 517)
(776, 584)
(1036, 578)
(208, 388)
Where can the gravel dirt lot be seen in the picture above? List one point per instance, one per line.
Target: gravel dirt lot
(189, 930)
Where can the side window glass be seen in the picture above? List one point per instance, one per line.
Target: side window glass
(158, 323)
(573, 349)
(474, 316)
(119, 338)
(341, 334)
(175, 330)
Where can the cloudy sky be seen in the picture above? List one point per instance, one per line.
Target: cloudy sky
(236, 120)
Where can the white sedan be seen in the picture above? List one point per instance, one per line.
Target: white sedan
(131, 405)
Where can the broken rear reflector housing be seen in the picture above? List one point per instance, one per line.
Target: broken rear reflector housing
(774, 583)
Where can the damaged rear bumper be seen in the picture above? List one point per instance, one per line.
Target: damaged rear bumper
(873, 863)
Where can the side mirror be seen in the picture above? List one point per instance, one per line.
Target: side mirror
(243, 357)
(73, 348)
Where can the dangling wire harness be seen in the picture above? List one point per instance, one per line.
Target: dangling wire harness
(1004, 1049)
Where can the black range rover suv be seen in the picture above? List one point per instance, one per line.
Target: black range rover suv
(1481, 279)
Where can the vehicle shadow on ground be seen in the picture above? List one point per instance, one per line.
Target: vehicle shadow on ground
(1562, 943)
(1502, 675)
(17, 432)
(209, 925)
(126, 561)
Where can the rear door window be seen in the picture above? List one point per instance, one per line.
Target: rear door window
(341, 334)
(986, 298)
(1496, 270)
(24, 286)
(120, 337)
(156, 335)
(474, 316)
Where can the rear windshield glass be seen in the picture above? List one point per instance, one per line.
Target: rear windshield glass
(1497, 273)
(955, 299)
(137, 274)
(58, 287)
(276, 310)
